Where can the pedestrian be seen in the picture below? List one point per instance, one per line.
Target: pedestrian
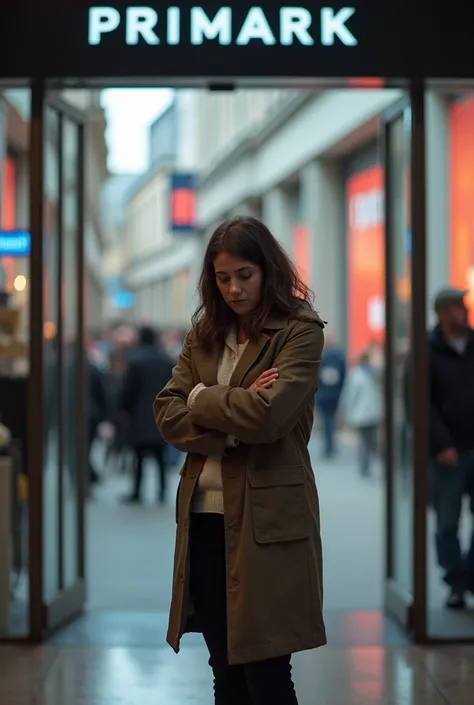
(363, 408)
(331, 383)
(148, 365)
(452, 438)
(248, 565)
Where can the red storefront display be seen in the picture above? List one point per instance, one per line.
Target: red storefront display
(365, 251)
(461, 129)
(302, 252)
(8, 220)
(9, 194)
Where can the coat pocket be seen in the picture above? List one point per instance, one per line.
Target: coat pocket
(279, 504)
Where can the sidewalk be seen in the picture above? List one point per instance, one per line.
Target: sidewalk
(130, 548)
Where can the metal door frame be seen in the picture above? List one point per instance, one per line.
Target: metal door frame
(412, 614)
(409, 610)
(69, 602)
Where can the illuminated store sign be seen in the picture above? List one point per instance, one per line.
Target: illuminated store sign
(296, 25)
(14, 243)
(122, 41)
(183, 203)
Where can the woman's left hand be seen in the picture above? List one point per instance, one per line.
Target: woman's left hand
(265, 380)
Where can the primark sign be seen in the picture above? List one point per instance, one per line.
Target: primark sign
(176, 26)
(122, 42)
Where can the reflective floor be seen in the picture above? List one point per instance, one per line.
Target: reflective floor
(115, 654)
(55, 675)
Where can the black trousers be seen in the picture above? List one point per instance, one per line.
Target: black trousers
(260, 683)
(158, 452)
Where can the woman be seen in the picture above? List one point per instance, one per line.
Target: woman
(362, 402)
(248, 563)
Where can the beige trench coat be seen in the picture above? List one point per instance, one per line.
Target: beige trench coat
(273, 545)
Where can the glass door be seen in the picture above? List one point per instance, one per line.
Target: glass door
(406, 343)
(58, 375)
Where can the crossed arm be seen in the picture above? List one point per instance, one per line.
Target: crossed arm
(262, 414)
(173, 417)
(268, 413)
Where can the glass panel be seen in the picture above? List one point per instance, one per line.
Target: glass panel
(51, 352)
(450, 208)
(14, 360)
(70, 351)
(399, 209)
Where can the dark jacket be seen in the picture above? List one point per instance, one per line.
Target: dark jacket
(99, 399)
(451, 395)
(149, 370)
(331, 380)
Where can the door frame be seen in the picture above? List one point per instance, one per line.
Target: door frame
(410, 611)
(69, 602)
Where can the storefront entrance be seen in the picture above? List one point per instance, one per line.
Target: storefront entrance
(221, 48)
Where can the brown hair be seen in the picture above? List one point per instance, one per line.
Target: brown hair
(283, 292)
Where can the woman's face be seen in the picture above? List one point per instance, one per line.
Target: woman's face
(240, 283)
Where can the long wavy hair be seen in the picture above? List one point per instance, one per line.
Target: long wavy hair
(284, 294)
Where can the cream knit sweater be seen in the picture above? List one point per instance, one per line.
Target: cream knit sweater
(208, 497)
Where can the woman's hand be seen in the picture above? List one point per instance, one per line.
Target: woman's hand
(265, 380)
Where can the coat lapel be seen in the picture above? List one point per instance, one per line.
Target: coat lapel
(206, 364)
(249, 357)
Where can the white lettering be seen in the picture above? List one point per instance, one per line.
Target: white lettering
(334, 25)
(295, 22)
(367, 209)
(204, 28)
(141, 22)
(256, 27)
(174, 26)
(101, 21)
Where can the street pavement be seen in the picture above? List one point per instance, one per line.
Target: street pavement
(130, 548)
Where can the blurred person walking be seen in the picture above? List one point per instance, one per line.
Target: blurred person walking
(452, 438)
(149, 368)
(99, 408)
(241, 403)
(363, 408)
(97, 403)
(123, 342)
(331, 383)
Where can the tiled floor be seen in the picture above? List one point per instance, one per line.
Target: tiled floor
(104, 629)
(55, 675)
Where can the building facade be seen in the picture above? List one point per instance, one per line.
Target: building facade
(118, 303)
(309, 163)
(162, 249)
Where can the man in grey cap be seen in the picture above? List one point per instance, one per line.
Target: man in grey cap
(452, 437)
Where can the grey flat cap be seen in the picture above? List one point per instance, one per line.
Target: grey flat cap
(448, 295)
